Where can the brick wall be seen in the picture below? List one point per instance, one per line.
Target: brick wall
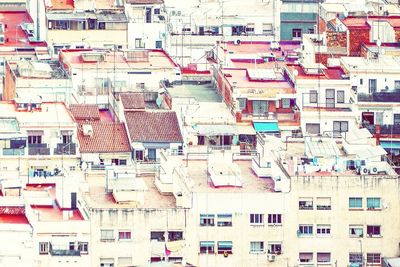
(356, 38)
(321, 25)
(336, 39)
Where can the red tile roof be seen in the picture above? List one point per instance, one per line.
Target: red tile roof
(133, 101)
(85, 112)
(108, 137)
(356, 22)
(156, 126)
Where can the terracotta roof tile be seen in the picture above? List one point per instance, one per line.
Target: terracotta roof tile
(107, 137)
(157, 126)
(133, 101)
(85, 112)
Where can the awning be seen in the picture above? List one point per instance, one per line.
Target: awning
(215, 129)
(225, 244)
(206, 243)
(390, 144)
(245, 129)
(66, 16)
(156, 145)
(266, 127)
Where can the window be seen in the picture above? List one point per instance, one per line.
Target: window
(83, 247)
(34, 139)
(139, 154)
(206, 246)
(305, 230)
(306, 203)
(140, 86)
(274, 248)
(67, 138)
(285, 102)
(274, 218)
(305, 257)
(313, 96)
(356, 231)
(124, 235)
(139, 43)
(267, 28)
(158, 44)
(373, 203)
(396, 118)
(340, 126)
(323, 257)
(175, 235)
(106, 262)
(102, 26)
(355, 257)
(372, 86)
(43, 247)
(118, 161)
(250, 28)
(256, 218)
(355, 203)
(206, 219)
(340, 96)
(313, 128)
(260, 107)
(330, 98)
(323, 203)
(225, 246)
(157, 235)
(374, 230)
(242, 103)
(296, 33)
(310, 31)
(323, 229)
(361, 81)
(107, 235)
(257, 247)
(224, 219)
(156, 11)
(397, 85)
(373, 258)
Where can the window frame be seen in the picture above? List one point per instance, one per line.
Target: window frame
(256, 219)
(285, 102)
(304, 203)
(207, 219)
(355, 257)
(83, 247)
(324, 262)
(313, 97)
(296, 33)
(224, 220)
(207, 249)
(373, 207)
(301, 230)
(374, 227)
(353, 228)
(373, 255)
(259, 250)
(340, 100)
(124, 235)
(222, 250)
(356, 207)
(274, 219)
(43, 248)
(324, 229)
(275, 248)
(105, 238)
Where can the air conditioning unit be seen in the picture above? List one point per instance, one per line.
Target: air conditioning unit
(271, 257)
(236, 42)
(373, 170)
(364, 170)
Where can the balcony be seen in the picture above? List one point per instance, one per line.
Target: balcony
(388, 97)
(54, 251)
(65, 149)
(38, 149)
(388, 129)
(13, 152)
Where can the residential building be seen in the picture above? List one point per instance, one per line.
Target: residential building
(98, 74)
(79, 24)
(324, 97)
(46, 80)
(152, 131)
(147, 26)
(102, 142)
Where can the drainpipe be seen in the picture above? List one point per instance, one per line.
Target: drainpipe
(378, 133)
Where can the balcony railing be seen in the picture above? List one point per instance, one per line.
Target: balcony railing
(389, 96)
(38, 149)
(65, 149)
(63, 252)
(388, 129)
(13, 151)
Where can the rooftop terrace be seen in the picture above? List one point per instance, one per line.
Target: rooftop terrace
(203, 92)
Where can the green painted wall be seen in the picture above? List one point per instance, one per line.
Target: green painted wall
(290, 21)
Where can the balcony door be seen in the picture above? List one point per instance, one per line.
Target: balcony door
(330, 98)
(260, 107)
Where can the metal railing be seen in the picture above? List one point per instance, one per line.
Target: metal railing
(63, 252)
